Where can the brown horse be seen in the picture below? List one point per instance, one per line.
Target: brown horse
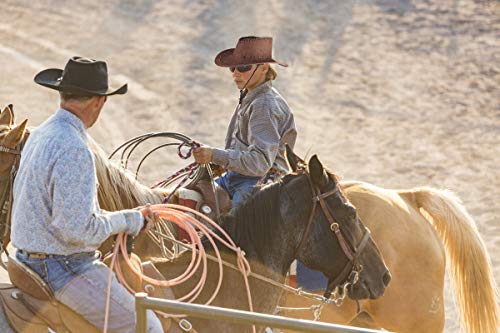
(416, 231)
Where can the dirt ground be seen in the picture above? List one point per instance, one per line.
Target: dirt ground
(398, 93)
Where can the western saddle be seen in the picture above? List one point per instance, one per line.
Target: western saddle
(30, 305)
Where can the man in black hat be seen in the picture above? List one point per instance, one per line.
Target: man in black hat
(260, 126)
(57, 224)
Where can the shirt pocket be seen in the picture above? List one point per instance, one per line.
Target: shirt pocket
(242, 129)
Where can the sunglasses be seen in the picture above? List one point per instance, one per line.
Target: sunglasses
(241, 69)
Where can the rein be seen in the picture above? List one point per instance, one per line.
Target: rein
(350, 272)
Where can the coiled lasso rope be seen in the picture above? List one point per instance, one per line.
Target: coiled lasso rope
(192, 226)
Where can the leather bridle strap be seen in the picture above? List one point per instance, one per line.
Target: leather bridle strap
(352, 254)
(6, 198)
(10, 150)
(350, 266)
(334, 226)
(318, 197)
(15, 151)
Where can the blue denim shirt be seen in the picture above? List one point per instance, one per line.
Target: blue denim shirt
(55, 207)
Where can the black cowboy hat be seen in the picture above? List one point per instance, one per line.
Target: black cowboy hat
(248, 51)
(81, 76)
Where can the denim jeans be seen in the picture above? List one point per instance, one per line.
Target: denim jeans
(238, 186)
(310, 280)
(80, 282)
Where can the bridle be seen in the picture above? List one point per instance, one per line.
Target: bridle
(350, 273)
(7, 182)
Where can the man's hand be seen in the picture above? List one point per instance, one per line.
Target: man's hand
(202, 155)
(150, 217)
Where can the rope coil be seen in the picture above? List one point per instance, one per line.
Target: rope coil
(176, 214)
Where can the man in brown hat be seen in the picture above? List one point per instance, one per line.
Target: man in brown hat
(57, 224)
(261, 124)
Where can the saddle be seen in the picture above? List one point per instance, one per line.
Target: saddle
(206, 201)
(30, 305)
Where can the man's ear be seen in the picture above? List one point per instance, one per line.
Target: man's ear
(99, 101)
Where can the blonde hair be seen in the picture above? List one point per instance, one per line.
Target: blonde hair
(271, 74)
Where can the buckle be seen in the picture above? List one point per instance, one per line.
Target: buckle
(37, 255)
(34, 255)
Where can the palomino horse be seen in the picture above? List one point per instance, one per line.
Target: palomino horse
(415, 229)
(277, 226)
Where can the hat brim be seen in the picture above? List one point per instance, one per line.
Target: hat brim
(226, 58)
(51, 78)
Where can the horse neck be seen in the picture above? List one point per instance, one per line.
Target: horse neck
(118, 189)
(232, 293)
(256, 227)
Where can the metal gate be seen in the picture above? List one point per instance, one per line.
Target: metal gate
(143, 302)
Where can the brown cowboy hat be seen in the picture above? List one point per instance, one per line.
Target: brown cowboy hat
(248, 51)
(81, 76)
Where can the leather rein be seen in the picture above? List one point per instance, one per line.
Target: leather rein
(350, 273)
(7, 181)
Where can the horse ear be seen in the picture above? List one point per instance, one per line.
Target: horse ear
(7, 116)
(293, 160)
(317, 172)
(15, 135)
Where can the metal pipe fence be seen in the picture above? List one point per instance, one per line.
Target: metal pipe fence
(143, 302)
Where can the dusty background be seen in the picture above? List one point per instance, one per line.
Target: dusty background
(397, 93)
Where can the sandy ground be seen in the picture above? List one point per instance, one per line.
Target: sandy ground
(396, 93)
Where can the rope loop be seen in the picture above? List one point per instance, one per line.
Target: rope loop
(195, 228)
(192, 144)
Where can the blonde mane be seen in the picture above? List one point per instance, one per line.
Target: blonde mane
(118, 189)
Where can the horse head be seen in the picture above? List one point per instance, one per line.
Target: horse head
(333, 240)
(12, 138)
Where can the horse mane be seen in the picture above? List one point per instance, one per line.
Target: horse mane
(254, 221)
(118, 189)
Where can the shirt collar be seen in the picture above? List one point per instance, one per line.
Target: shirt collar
(263, 88)
(71, 119)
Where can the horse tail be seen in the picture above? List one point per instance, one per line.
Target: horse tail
(470, 264)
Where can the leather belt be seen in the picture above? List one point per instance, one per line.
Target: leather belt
(36, 255)
(40, 255)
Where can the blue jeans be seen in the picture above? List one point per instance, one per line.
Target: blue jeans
(310, 280)
(238, 186)
(80, 282)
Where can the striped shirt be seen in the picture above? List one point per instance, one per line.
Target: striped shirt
(257, 133)
(55, 207)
